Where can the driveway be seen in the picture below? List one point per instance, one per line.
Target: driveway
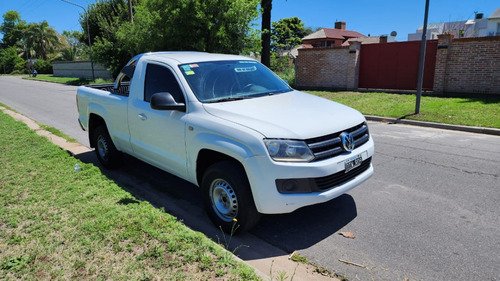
(430, 212)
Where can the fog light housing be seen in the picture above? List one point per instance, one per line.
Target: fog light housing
(295, 186)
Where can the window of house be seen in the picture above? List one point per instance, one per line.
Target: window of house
(161, 79)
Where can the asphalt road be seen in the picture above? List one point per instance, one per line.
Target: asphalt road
(430, 212)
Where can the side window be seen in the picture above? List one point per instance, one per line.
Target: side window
(161, 79)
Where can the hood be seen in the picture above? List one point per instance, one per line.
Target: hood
(293, 115)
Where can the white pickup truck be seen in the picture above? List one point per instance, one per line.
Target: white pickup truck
(228, 124)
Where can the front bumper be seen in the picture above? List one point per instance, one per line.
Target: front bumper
(264, 174)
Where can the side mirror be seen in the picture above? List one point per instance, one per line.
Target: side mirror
(165, 101)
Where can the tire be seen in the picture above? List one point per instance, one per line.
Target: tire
(228, 198)
(105, 149)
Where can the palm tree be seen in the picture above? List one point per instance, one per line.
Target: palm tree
(42, 38)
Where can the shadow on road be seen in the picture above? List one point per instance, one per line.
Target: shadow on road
(288, 232)
(307, 226)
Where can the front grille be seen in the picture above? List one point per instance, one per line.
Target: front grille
(330, 145)
(342, 177)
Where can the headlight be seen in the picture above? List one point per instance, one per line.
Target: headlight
(288, 150)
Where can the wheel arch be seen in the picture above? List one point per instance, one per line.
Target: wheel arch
(208, 157)
(94, 122)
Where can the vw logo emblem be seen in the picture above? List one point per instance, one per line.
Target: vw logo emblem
(347, 141)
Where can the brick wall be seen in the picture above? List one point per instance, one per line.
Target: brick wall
(328, 68)
(467, 65)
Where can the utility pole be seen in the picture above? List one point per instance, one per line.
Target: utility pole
(130, 11)
(422, 59)
(88, 35)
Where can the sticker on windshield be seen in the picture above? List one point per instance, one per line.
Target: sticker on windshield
(187, 69)
(247, 61)
(245, 69)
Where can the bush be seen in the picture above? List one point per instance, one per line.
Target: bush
(20, 67)
(43, 66)
(10, 60)
(279, 63)
(288, 74)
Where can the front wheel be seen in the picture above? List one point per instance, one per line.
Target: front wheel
(106, 151)
(228, 198)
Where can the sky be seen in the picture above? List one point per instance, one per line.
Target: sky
(374, 17)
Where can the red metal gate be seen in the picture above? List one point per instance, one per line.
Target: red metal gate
(395, 65)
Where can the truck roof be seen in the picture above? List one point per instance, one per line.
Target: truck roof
(190, 57)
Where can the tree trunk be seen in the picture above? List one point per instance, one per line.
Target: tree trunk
(266, 6)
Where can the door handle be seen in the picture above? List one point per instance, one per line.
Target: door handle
(142, 116)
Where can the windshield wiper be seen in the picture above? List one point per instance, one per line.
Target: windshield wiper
(279, 92)
(270, 93)
(227, 99)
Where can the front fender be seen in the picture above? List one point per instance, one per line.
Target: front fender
(227, 146)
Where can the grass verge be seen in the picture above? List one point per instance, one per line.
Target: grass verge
(57, 223)
(470, 111)
(67, 80)
(56, 132)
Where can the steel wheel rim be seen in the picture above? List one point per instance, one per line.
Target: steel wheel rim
(102, 147)
(224, 200)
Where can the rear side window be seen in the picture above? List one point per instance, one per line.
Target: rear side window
(161, 79)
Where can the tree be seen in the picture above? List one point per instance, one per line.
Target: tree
(43, 39)
(10, 59)
(12, 28)
(286, 34)
(266, 6)
(105, 19)
(221, 26)
(73, 49)
(212, 26)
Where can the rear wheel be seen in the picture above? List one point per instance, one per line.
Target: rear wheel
(228, 198)
(105, 150)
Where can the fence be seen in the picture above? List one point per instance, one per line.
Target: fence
(80, 69)
(469, 65)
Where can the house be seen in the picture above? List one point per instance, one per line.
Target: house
(493, 28)
(478, 27)
(328, 37)
(331, 37)
(371, 40)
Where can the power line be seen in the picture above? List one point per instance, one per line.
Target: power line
(27, 5)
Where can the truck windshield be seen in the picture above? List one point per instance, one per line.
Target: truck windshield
(219, 81)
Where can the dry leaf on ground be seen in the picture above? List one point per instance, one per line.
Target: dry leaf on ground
(346, 234)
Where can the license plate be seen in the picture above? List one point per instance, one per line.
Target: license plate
(353, 162)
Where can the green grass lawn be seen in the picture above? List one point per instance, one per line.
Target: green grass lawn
(482, 111)
(67, 80)
(60, 224)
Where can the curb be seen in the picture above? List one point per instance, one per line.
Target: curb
(468, 129)
(73, 148)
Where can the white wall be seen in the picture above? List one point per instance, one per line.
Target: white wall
(80, 69)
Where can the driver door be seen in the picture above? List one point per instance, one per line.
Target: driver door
(158, 136)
